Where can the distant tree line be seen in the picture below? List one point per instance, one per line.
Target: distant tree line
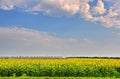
(97, 57)
(7, 57)
(55, 57)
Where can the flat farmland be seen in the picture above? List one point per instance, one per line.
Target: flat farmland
(61, 67)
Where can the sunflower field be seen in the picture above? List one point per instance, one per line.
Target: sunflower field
(62, 67)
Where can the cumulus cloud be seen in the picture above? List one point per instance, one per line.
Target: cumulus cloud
(27, 42)
(106, 12)
(99, 8)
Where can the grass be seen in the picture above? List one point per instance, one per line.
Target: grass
(58, 78)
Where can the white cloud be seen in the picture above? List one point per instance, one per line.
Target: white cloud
(106, 12)
(99, 8)
(6, 6)
(22, 41)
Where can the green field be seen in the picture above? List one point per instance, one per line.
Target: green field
(57, 78)
(64, 67)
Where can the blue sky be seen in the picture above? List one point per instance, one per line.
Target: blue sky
(59, 28)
